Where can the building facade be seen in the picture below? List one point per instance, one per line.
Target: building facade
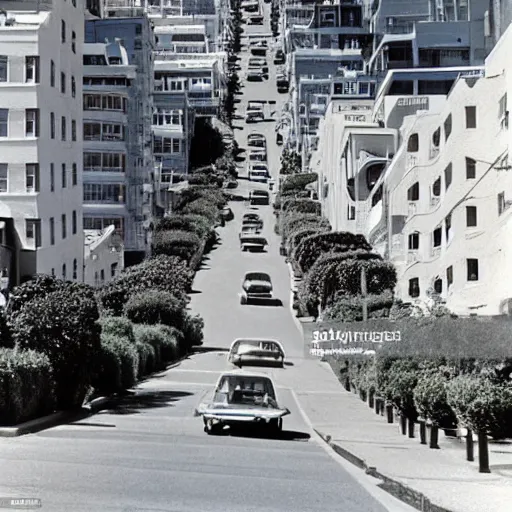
(41, 139)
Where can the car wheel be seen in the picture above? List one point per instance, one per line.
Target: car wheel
(212, 429)
(243, 299)
(276, 426)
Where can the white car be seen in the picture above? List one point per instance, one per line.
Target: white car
(258, 173)
(255, 75)
(254, 113)
(240, 399)
(257, 140)
(257, 155)
(256, 351)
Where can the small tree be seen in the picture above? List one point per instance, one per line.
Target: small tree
(480, 405)
(207, 144)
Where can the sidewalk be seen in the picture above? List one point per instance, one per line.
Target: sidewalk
(444, 477)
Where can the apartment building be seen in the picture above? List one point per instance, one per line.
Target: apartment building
(41, 139)
(109, 163)
(136, 36)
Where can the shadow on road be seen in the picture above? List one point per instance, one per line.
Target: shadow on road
(288, 363)
(89, 424)
(285, 435)
(267, 303)
(194, 292)
(136, 403)
(204, 350)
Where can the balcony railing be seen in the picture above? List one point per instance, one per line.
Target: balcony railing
(412, 208)
(412, 256)
(93, 168)
(434, 201)
(407, 28)
(104, 138)
(435, 252)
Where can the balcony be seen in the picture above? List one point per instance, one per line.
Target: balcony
(405, 28)
(317, 108)
(412, 257)
(412, 208)
(434, 201)
(435, 252)
(412, 161)
(104, 169)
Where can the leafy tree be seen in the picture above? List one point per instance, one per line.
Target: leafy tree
(182, 244)
(291, 162)
(403, 377)
(63, 325)
(312, 247)
(207, 144)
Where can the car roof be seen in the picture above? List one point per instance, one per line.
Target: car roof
(259, 340)
(256, 135)
(245, 373)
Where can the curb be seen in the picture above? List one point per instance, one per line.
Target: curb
(397, 489)
(54, 419)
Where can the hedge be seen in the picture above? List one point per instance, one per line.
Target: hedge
(197, 224)
(298, 181)
(212, 194)
(292, 221)
(312, 247)
(26, 386)
(117, 326)
(203, 207)
(165, 342)
(182, 244)
(346, 308)
(296, 236)
(302, 206)
(63, 325)
(153, 307)
(162, 273)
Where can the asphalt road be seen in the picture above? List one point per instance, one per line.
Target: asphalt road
(149, 453)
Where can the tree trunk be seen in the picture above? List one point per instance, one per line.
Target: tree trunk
(470, 446)
(410, 428)
(389, 412)
(377, 405)
(371, 398)
(434, 437)
(403, 424)
(347, 383)
(423, 432)
(483, 453)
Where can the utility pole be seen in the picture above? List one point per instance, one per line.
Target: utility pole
(364, 294)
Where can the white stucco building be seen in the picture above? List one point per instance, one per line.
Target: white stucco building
(41, 137)
(438, 207)
(103, 257)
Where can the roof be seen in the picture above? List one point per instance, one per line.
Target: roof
(245, 373)
(94, 237)
(180, 29)
(16, 20)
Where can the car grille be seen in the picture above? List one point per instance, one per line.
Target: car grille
(259, 289)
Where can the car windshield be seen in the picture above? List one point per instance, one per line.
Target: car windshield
(257, 276)
(260, 193)
(254, 240)
(245, 390)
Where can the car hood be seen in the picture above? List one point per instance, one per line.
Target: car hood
(258, 284)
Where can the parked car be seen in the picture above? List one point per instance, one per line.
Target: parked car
(255, 19)
(227, 213)
(251, 6)
(283, 85)
(257, 155)
(256, 286)
(256, 351)
(252, 217)
(253, 243)
(259, 197)
(279, 57)
(271, 184)
(242, 398)
(249, 229)
(258, 173)
(232, 184)
(259, 51)
(256, 140)
(258, 63)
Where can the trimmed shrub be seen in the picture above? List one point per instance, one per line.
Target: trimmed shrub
(26, 386)
(291, 162)
(205, 208)
(345, 308)
(147, 359)
(182, 244)
(117, 326)
(197, 224)
(172, 343)
(155, 307)
(193, 331)
(162, 273)
(64, 326)
(298, 182)
(403, 377)
(312, 247)
(292, 221)
(212, 194)
(118, 364)
(295, 237)
(302, 206)
(6, 340)
(164, 340)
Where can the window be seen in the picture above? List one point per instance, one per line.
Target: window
(166, 145)
(52, 231)
(4, 60)
(502, 106)
(102, 276)
(63, 128)
(437, 237)
(96, 279)
(73, 86)
(449, 276)
(113, 269)
(75, 269)
(4, 120)
(413, 194)
(436, 138)
(63, 83)
(64, 226)
(351, 212)
(52, 125)
(73, 130)
(52, 73)
(52, 178)
(32, 177)
(74, 175)
(73, 2)
(436, 187)
(32, 122)
(31, 70)
(470, 169)
(64, 271)
(413, 143)
(501, 200)
(176, 145)
(414, 241)
(438, 286)
(470, 117)
(112, 103)
(73, 41)
(448, 227)
(74, 222)
(104, 193)
(448, 176)
(53, 272)
(472, 267)
(447, 127)
(4, 177)
(471, 218)
(33, 231)
(162, 117)
(414, 287)
(63, 31)
(64, 176)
